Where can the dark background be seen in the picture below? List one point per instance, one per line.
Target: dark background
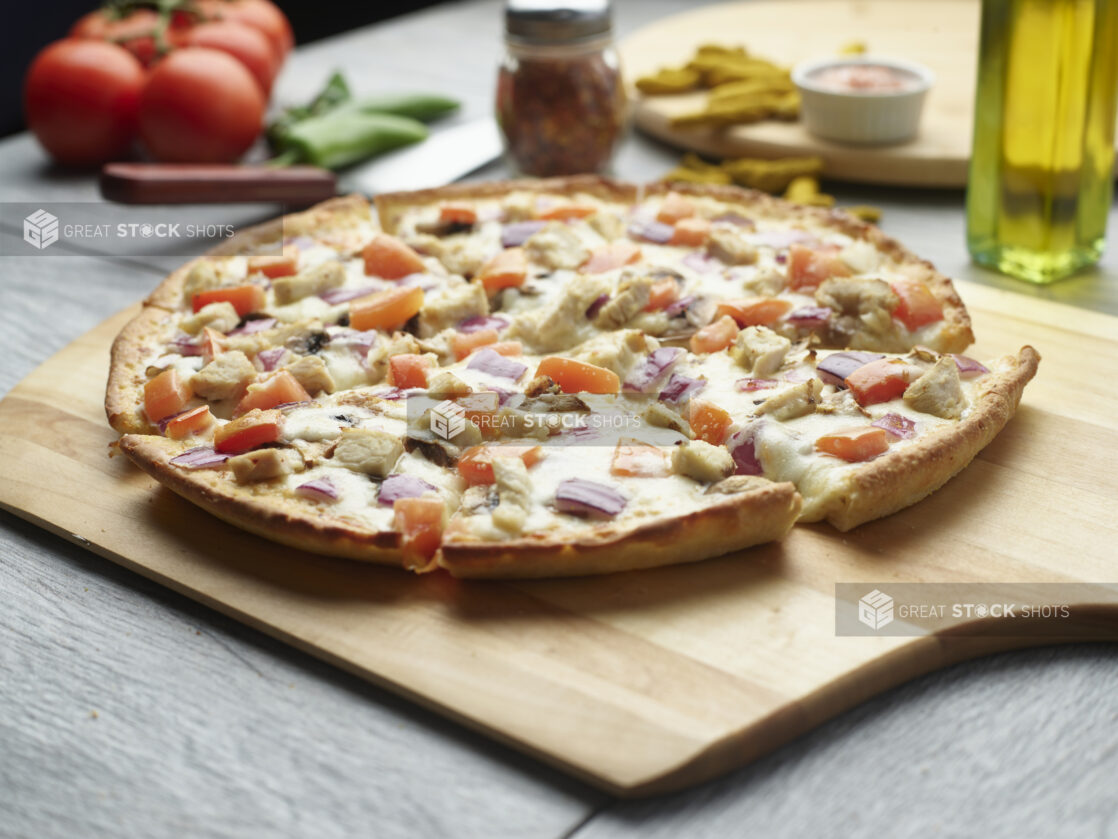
(29, 26)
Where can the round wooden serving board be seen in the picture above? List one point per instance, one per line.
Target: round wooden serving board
(941, 34)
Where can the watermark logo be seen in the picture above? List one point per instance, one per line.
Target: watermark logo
(40, 229)
(448, 419)
(875, 610)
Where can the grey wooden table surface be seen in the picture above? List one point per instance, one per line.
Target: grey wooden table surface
(129, 711)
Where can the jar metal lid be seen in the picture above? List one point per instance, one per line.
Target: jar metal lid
(548, 22)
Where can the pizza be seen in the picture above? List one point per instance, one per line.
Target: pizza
(555, 377)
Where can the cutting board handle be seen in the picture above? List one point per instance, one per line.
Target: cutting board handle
(203, 183)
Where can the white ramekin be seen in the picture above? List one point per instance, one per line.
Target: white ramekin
(864, 116)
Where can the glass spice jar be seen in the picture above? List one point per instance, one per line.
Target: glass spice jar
(560, 97)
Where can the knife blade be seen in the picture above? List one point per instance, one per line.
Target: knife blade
(447, 155)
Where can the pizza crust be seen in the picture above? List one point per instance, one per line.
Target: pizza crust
(904, 476)
(140, 339)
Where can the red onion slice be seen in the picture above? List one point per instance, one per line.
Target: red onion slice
(652, 231)
(391, 393)
(897, 425)
(184, 345)
(479, 322)
(810, 317)
(743, 449)
(780, 239)
(588, 498)
(735, 219)
(653, 369)
(680, 387)
(252, 326)
(837, 366)
(679, 306)
(517, 233)
(269, 359)
(492, 362)
(968, 366)
(343, 295)
(702, 263)
(402, 486)
(751, 385)
(200, 457)
(320, 489)
(301, 243)
(596, 306)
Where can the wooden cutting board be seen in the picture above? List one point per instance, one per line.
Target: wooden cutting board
(941, 34)
(638, 682)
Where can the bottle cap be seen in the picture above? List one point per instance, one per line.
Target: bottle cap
(548, 22)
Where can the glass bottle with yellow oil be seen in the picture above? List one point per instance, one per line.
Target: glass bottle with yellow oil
(1042, 163)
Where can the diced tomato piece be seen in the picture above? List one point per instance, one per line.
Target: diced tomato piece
(634, 459)
(507, 269)
(390, 259)
(475, 465)
(918, 306)
(420, 522)
(565, 212)
(273, 266)
(458, 214)
(709, 422)
(464, 343)
(579, 376)
(212, 344)
(692, 232)
(408, 370)
(674, 208)
(245, 298)
(256, 428)
(386, 309)
(166, 395)
(191, 422)
(614, 255)
(879, 381)
(662, 294)
(278, 389)
(715, 336)
(758, 311)
(808, 267)
(507, 347)
(854, 444)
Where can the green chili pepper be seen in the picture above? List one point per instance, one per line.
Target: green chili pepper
(421, 106)
(342, 138)
(335, 93)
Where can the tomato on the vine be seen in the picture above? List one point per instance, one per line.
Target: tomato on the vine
(259, 14)
(81, 98)
(246, 44)
(200, 105)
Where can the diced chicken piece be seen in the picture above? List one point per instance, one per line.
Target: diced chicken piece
(760, 350)
(791, 402)
(200, 277)
(557, 326)
(447, 384)
(616, 351)
(315, 280)
(401, 343)
(251, 343)
(840, 403)
(368, 450)
(310, 371)
(861, 256)
(514, 491)
(730, 245)
(766, 282)
(659, 415)
(556, 246)
(225, 377)
(938, 392)
(702, 461)
(447, 307)
(738, 483)
(264, 465)
(220, 316)
(632, 296)
(609, 226)
(519, 206)
(863, 305)
(513, 423)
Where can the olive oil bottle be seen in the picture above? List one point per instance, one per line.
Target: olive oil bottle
(1042, 162)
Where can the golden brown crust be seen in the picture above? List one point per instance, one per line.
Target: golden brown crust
(140, 339)
(956, 334)
(259, 509)
(730, 523)
(392, 205)
(904, 476)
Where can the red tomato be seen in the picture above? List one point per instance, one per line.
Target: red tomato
(917, 306)
(135, 32)
(259, 14)
(200, 106)
(248, 45)
(279, 389)
(81, 99)
(166, 395)
(854, 444)
(245, 298)
(808, 267)
(574, 376)
(880, 381)
(256, 428)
